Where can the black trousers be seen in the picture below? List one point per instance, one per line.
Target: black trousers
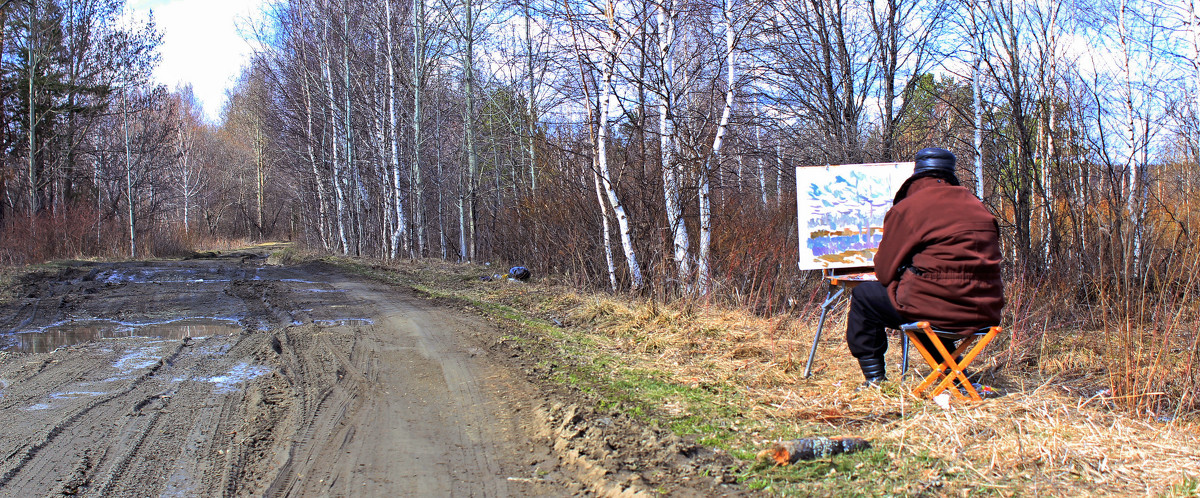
(871, 312)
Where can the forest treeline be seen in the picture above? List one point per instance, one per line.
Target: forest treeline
(644, 146)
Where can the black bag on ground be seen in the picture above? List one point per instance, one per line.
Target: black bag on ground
(519, 273)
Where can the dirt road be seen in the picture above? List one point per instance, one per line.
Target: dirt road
(228, 376)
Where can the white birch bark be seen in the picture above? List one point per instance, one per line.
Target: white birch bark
(778, 173)
(977, 95)
(338, 190)
(531, 101)
(347, 115)
(1046, 132)
(1194, 22)
(416, 180)
(667, 143)
(382, 170)
(704, 263)
(128, 173)
(463, 252)
(468, 31)
(762, 172)
(1130, 113)
(606, 100)
(318, 182)
(1133, 204)
(608, 253)
(34, 200)
(703, 259)
(437, 126)
(187, 177)
(400, 233)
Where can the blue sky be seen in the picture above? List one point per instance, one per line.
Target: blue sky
(203, 44)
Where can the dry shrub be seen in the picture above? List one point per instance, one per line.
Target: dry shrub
(71, 232)
(168, 243)
(1055, 444)
(755, 263)
(74, 232)
(1151, 349)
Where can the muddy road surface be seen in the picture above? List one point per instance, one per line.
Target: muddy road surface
(224, 375)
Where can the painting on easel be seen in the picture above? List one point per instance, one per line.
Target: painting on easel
(840, 211)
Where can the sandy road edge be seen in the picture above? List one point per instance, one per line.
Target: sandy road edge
(610, 454)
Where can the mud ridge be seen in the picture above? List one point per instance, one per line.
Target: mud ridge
(62, 427)
(379, 391)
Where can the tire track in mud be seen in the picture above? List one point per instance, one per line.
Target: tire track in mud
(320, 411)
(335, 386)
(403, 414)
(25, 454)
(108, 417)
(122, 441)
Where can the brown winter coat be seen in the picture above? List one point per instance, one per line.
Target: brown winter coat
(940, 257)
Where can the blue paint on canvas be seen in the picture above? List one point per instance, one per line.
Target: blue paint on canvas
(841, 210)
(824, 246)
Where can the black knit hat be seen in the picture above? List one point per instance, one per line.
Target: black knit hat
(932, 159)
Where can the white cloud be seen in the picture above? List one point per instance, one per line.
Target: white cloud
(202, 44)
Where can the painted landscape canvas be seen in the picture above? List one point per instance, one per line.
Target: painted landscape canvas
(840, 211)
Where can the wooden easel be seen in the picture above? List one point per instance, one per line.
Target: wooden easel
(870, 187)
(838, 281)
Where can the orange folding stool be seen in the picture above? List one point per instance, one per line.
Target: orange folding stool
(949, 371)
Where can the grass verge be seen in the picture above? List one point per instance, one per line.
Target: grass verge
(734, 381)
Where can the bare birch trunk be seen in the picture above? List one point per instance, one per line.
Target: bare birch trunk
(183, 148)
(532, 102)
(703, 260)
(349, 131)
(437, 126)
(312, 159)
(128, 173)
(400, 233)
(260, 173)
(704, 267)
(338, 189)
(606, 99)
(977, 94)
(608, 253)
(1049, 83)
(667, 143)
(472, 160)
(1194, 21)
(463, 252)
(382, 168)
(762, 172)
(34, 204)
(778, 173)
(1132, 164)
(418, 185)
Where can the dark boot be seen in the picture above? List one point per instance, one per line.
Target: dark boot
(873, 369)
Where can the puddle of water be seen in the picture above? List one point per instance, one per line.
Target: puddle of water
(78, 332)
(76, 394)
(240, 373)
(137, 360)
(345, 322)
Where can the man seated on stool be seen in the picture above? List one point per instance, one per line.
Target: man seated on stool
(939, 261)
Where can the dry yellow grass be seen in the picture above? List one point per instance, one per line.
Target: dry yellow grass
(1054, 433)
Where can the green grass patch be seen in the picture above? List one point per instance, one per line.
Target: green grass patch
(598, 355)
(873, 472)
